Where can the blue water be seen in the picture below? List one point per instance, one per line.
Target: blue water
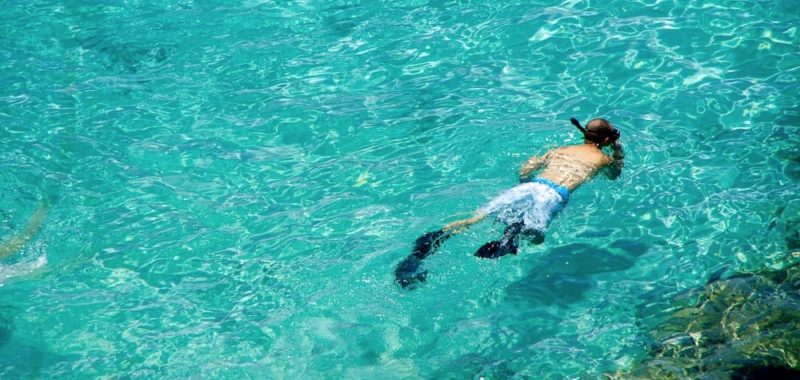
(230, 184)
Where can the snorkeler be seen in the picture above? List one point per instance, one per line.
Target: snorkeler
(528, 208)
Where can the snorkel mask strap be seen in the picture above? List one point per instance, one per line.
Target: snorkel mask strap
(592, 135)
(585, 132)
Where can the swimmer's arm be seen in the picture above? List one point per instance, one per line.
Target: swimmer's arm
(529, 166)
(16, 242)
(615, 163)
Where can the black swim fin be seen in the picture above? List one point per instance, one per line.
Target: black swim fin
(426, 244)
(407, 272)
(495, 249)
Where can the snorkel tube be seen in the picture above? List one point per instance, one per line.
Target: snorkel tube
(593, 135)
(577, 124)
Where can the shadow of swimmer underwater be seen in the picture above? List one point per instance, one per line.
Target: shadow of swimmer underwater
(528, 208)
(17, 241)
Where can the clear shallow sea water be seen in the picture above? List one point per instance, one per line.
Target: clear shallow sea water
(232, 183)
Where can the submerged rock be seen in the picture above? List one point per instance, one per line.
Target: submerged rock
(746, 326)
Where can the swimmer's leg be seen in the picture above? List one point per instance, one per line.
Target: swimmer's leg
(508, 244)
(461, 225)
(407, 272)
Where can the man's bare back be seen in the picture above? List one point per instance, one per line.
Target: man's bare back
(569, 166)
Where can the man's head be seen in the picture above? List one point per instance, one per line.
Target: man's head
(598, 131)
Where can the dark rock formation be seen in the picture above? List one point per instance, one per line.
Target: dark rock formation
(746, 326)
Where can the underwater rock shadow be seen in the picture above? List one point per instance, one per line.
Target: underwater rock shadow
(342, 20)
(565, 273)
(120, 56)
(5, 328)
(743, 326)
(475, 366)
(21, 359)
(792, 237)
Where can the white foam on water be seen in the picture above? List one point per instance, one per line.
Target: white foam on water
(21, 268)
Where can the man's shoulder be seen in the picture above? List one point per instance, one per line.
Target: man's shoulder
(578, 148)
(583, 152)
(564, 148)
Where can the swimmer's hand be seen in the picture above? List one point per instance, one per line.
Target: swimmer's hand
(618, 162)
(618, 152)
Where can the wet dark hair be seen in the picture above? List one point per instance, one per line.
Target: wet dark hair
(597, 130)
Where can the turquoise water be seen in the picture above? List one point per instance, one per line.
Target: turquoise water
(230, 184)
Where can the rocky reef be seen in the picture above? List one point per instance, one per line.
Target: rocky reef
(745, 326)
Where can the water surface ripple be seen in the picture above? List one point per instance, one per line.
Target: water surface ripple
(231, 183)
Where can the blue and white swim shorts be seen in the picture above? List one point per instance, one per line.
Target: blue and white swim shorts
(533, 203)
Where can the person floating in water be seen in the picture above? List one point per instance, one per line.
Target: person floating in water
(528, 208)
